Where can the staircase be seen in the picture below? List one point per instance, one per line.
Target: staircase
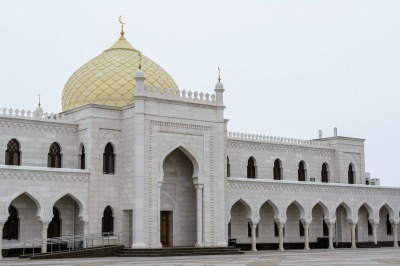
(178, 251)
(367, 245)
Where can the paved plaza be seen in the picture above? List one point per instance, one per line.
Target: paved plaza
(379, 256)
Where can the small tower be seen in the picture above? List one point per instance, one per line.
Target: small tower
(219, 90)
(38, 113)
(139, 77)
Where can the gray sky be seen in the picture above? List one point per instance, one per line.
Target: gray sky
(289, 68)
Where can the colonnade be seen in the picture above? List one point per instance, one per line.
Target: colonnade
(331, 236)
(330, 222)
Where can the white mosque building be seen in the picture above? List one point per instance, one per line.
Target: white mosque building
(132, 153)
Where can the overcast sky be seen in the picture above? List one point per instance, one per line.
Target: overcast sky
(289, 68)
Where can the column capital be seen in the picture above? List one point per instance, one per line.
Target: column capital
(45, 224)
(280, 222)
(253, 224)
(159, 184)
(306, 224)
(373, 222)
(199, 186)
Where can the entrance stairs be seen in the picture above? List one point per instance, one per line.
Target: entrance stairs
(178, 251)
(368, 245)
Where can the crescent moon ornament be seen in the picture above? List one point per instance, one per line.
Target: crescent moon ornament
(120, 20)
(122, 28)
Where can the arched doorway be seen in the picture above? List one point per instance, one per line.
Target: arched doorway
(239, 224)
(319, 227)
(22, 223)
(343, 229)
(294, 225)
(178, 212)
(269, 231)
(54, 229)
(69, 209)
(364, 227)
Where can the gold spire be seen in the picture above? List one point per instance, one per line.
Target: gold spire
(39, 99)
(140, 60)
(122, 28)
(219, 74)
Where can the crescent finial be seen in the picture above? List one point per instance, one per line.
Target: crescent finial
(122, 28)
(120, 20)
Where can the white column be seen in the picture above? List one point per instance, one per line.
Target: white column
(199, 205)
(281, 226)
(306, 236)
(374, 232)
(45, 225)
(353, 235)
(85, 233)
(253, 236)
(330, 226)
(138, 212)
(394, 233)
(159, 184)
(1, 239)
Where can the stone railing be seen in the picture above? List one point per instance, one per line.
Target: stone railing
(280, 140)
(185, 96)
(37, 115)
(45, 174)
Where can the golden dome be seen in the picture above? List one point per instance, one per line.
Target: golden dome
(108, 79)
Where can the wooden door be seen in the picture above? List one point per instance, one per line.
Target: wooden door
(165, 228)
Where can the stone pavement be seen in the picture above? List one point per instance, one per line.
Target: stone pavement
(378, 256)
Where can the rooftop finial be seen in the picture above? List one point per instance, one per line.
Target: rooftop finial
(140, 60)
(39, 99)
(122, 28)
(219, 74)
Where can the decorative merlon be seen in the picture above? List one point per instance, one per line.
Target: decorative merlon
(178, 95)
(264, 138)
(16, 113)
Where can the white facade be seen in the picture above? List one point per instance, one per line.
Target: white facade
(171, 153)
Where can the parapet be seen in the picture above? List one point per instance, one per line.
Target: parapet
(183, 96)
(39, 116)
(280, 140)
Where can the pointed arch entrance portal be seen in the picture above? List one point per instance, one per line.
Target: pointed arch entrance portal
(178, 205)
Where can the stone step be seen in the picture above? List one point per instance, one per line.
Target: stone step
(178, 251)
(367, 245)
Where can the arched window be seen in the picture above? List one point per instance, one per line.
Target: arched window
(251, 168)
(324, 173)
(350, 174)
(388, 226)
(11, 227)
(108, 159)
(228, 167)
(301, 172)
(54, 229)
(13, 154)
(277, 170)
(54, 156)
(107, 227)
(82, 160)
